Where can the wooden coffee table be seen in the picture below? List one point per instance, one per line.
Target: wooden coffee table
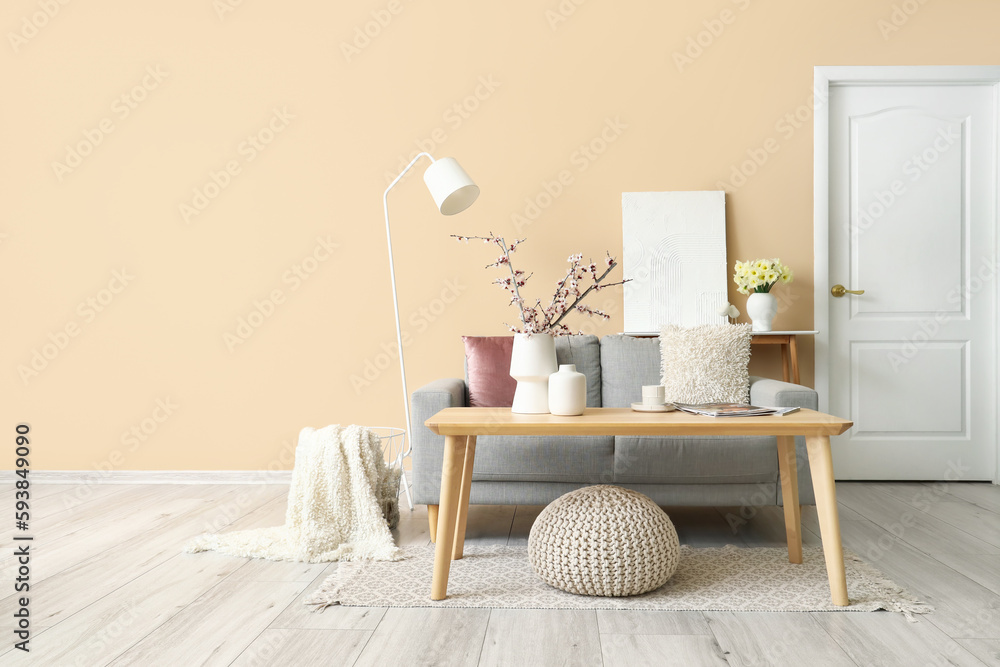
(461, 426)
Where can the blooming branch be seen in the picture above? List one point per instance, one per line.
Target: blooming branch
(513, 283)
(568, 294)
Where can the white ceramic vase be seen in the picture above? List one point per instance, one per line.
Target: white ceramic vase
(567, 391)
(532, 361)
(762, 307)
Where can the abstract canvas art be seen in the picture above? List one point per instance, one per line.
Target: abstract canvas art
(675, 255)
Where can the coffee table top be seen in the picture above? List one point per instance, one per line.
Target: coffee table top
(625, 421)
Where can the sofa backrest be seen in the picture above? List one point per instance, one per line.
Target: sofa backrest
(627, 363)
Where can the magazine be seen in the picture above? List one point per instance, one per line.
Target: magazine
(732, 410)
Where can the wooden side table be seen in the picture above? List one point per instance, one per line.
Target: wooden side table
(789, 351)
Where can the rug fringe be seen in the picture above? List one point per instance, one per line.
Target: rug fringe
(893, 596)
(329, 593)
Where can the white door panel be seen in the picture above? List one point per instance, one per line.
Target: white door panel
(912, 219)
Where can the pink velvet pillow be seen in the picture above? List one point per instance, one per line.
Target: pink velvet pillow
(488, 361)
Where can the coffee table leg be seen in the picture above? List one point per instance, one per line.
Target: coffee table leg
(451, 488)
(821, 466)
(463, 501)
(790, 496)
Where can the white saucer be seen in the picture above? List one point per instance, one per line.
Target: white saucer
(639, 407)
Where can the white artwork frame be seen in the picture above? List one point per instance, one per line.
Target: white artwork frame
(675, 256)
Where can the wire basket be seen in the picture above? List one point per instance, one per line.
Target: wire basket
(394, 451)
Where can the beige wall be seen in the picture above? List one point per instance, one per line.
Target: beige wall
(132, 296)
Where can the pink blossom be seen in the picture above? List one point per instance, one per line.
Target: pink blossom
(539, 319)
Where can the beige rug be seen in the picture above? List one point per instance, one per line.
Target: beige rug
(718, 579)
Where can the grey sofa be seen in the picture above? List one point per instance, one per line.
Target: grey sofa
(709, 470)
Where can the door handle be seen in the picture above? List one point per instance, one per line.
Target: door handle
(839, 291)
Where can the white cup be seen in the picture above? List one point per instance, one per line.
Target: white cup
(652, 395)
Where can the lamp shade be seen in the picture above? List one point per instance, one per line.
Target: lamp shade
(452, 189)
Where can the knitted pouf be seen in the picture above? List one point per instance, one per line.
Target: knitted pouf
(603, 540)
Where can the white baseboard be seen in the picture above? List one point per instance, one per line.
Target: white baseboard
(153, 476)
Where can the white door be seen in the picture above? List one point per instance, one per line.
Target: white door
(913, 222)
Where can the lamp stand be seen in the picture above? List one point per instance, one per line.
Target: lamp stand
(399, 332)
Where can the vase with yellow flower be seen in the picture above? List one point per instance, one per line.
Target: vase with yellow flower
(756, 278)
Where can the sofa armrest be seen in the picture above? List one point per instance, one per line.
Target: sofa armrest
(778, 394)
(428, 448)
(440, 394)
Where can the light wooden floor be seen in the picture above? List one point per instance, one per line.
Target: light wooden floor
(110, 586)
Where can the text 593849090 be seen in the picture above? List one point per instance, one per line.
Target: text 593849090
(22, 541)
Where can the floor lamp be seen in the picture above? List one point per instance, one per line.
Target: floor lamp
(453, 192)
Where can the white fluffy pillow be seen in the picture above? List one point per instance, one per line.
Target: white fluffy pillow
(705, 364)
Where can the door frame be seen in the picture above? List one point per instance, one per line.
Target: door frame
(826, 77)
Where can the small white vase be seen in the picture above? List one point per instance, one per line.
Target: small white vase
(532, 361)
(762, 307)
(567, 391)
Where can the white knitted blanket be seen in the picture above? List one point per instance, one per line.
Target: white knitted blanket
(340, 487)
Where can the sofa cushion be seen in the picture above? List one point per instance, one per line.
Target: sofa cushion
(487, 367)
(587, 459)
(706, 363)
(711, 459)
(627, 363)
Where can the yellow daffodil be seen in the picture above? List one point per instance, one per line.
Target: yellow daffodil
(760, 275)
